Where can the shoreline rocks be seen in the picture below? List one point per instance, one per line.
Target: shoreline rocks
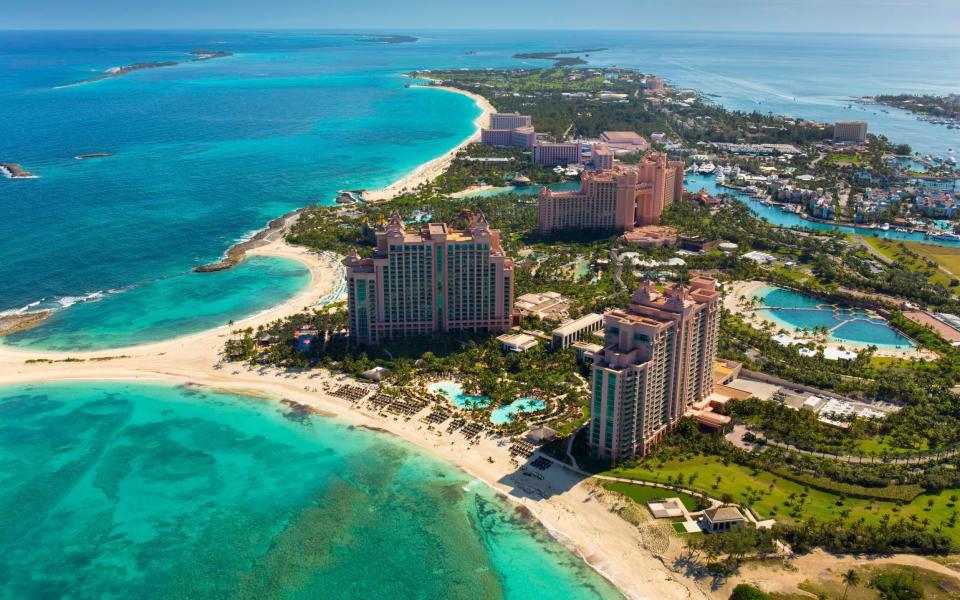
(274, 230)
(20, 321)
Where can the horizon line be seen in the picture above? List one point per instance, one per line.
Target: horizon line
(362, 30)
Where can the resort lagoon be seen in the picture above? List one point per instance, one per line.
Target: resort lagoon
(501, 415)
(454, 393)
(508, 412)
(853, 327)
(155, 491)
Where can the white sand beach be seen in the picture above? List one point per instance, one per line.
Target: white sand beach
(429, 171)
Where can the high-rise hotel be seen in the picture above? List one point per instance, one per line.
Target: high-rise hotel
(617, 199)
(429, 280)
(657, 360)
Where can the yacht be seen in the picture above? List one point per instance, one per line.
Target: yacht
(707, 168)
(885, 227)
(947, 236)
(720, 177)
(751, 189)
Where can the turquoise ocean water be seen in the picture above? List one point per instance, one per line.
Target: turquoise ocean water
(204, 153)
(144, 491)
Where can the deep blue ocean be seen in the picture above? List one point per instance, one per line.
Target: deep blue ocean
(204, 153)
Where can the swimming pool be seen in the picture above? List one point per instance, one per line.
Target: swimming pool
(850, 326)
(453, 392)
(508, 412)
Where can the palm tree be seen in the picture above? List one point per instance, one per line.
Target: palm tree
(851, 577)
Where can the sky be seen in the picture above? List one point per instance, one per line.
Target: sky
(855, 16)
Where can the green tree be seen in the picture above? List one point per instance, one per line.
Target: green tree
(849, 578)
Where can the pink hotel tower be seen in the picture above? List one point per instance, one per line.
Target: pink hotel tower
(657, 360)
(429, 280)
(617, 198)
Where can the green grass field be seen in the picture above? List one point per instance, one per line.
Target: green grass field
(642, 494)
(947, 258)
(770, 495)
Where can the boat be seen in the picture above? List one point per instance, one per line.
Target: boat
(885, 227)
(720, 177)
(946, 236)
(751, 189)
(707, 168)
(901, 230)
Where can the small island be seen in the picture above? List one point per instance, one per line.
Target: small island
(198, 56)
(15, 171)
(939, 110)
(558, 58)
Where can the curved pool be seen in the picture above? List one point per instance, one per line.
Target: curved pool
(508, 412)
(453, 392)
(850, 326)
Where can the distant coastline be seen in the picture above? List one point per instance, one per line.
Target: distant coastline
(388, 39)
(558, 58)
(198, 56)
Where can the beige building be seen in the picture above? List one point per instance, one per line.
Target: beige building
(429, 280)
(564, 336)
(656, 363)
(549, 305)
(615, 199)
(853, 132)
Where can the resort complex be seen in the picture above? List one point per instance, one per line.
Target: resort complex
(612, 338)
(428, 280)
(616, 199)
(657, 361)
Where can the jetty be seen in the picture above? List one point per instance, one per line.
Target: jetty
(274, 231)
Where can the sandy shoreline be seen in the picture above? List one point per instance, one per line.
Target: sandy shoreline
(429, 171)
(750, 289)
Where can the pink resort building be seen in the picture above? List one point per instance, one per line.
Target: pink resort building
(430, 280)
(657, 361)
(509, 129)
(625, 141)
(618, 199)
(558, 154)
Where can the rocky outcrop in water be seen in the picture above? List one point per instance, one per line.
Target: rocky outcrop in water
(21, 321)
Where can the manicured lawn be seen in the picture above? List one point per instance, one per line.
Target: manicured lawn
(770, 495)
(844, 158)
(944, 256)
(642, 494)
(876, 446)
